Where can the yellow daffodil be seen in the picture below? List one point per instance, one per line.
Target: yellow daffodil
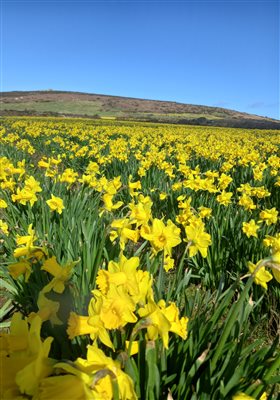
(55, 204)
(269, 216)
(67, 386)
(156, 321)
(261, 276)
(108, 203)
(247, 202)
(20, 268)
(60, 274)
(117, 308)
(48, 310)
(25, 359)
(161, 236)
(224, 198)
(242, 396)
(250, 228)
(4, 227)
(3, 203)
(122, 229)
(198, 239)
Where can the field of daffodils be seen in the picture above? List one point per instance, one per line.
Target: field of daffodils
(138, 261)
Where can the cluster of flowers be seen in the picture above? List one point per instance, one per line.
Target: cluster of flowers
(124, 298)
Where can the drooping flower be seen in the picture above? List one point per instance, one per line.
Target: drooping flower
(20, 268)
(156, 322)
(100, 373)
(68, 386)
(122, 229)
(108, 203)
(24, 358)
(24, 195)
(261, 276)
(91, 324)
(246, 202)
(60, 274)
(48, 310)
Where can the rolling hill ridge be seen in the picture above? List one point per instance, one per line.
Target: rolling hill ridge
(76, 104)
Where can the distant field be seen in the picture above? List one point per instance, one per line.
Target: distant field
(66, 107)
(91, 108)
(58, 103)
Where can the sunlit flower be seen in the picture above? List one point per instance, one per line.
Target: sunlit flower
(3, 203)
(261, 276)
(269, 216)
(55, 204)
(250, 228)
(161, 236)
(198, 239)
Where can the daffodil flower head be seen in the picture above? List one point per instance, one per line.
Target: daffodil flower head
(260, 274)
(198, 239)
(55, 204)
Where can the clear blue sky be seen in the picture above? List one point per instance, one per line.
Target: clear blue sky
(216, 53)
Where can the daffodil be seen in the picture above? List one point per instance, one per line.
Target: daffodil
(32, 185)
(20, 268)
(242, 396)
(250, 228)
(161, 236)
(224, 198)
(260, 274)
(24, 195)
(55, 204)
(178, 326)
(48, 310)
(197, 238)
(108, 203)
(141, 212)
(134, 187)
(24, 361)
(60, 274)
(4, 227)
(98, 372)
(204, 212)
(3, 203)
(122, 229)
(274, 259)
(156, 322)
(117, 309)
(247, 202)
(90, 325)
(269, 216)
(67, 386)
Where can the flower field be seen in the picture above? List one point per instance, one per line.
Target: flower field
(138, 261)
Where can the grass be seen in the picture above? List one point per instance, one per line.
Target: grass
(63, 107)
(92, 108)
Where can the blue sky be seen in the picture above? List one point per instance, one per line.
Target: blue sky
(216, 53)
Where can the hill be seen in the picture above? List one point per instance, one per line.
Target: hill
(61, 103)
